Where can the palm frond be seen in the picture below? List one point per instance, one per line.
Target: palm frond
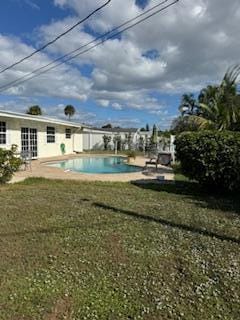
(202, 123)
(231, 75)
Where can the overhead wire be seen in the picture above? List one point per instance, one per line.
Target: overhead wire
(103, 38)
(55, 39)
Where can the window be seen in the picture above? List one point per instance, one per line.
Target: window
(3, 133)
(50, 135)
(68, 133)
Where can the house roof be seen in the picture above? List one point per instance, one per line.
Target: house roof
(117, 130)
(16, 115)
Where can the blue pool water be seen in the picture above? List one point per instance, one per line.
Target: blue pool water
(96, 165)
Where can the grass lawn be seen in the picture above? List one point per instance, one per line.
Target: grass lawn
(83, 250)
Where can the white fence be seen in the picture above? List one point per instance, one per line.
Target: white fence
(93, 140)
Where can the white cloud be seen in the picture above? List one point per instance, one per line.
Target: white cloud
(119, 122)
(103, 103)
(199, 10)
(192, 49)
(114, 14)
(195, 40)
(63, 82)
(21, 105)
(117, 106)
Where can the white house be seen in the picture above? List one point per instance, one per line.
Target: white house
(48, 137)
(44, 137)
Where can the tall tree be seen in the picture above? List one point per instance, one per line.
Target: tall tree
(218, 106)
(147, 127)
(154, 138)
(69, 111)
(107, 126)
(188, 105)
(34, 110)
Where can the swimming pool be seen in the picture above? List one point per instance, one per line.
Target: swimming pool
(96, 165)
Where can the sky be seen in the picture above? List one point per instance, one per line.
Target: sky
(134, 79)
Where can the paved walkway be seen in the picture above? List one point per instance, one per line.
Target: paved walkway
(41, 169)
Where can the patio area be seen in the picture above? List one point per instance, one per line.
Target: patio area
(40, 169)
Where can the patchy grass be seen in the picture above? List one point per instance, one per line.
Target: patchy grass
(178, 176)
(82, 250)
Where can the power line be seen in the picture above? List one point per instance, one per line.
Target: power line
(89, 43)
(18, 81)
(55, 39)
(103, 37)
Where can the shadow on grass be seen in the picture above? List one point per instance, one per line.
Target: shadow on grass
(167, 223)
(204, 198)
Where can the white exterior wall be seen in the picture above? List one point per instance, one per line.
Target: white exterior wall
(77, 141)
(44, 149)
(94, 140)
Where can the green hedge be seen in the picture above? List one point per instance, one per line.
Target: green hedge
(212, 158)
(9, 164)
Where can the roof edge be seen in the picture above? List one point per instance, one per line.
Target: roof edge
(23, 116)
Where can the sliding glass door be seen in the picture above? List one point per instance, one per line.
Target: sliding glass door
(29, 141)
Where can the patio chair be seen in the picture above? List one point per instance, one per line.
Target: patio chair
(26, 157)
(163, 158)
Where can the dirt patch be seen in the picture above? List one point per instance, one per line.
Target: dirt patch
(115, 248)
(62, 310)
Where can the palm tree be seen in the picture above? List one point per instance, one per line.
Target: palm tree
(34, 110)
(188, 105)
(154, 137)
(220, 105)
(69, 111)
(208, 94)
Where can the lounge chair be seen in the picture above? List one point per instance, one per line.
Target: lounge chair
(163, 158)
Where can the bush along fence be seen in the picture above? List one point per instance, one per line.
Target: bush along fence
(211, 158)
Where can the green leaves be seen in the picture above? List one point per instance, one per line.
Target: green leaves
(218, 106)
(9, 164)
(106, 141)
(188, 105)
(69, 111)
(34, 110)
(212, 158)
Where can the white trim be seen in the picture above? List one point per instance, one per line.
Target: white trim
(15, 115)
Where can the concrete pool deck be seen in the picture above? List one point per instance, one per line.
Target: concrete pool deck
(40, 169)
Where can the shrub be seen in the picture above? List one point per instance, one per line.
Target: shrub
(117, 140)
(9, 164)
(106, 141)
(211, 158)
